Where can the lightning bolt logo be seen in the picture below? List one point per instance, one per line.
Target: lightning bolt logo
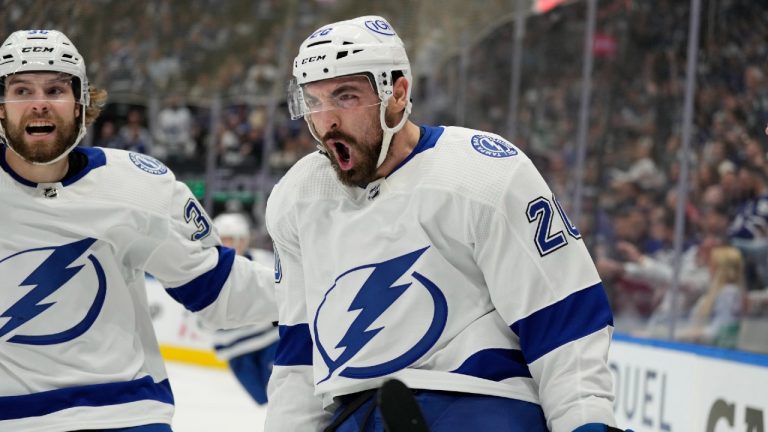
(376, 295)
(47, 278)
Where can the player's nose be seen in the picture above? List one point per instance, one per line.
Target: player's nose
(40, 105)
(325, 121)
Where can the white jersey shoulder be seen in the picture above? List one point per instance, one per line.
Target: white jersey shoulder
(311, 178)
(474, 164)
(137, 180)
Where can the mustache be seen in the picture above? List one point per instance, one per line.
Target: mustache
(338, 135)
(39, 115)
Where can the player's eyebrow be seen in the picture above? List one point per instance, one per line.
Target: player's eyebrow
(345, 88)
(17, 80)
(26, 81)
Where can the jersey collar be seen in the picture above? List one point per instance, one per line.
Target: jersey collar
(427, 140)
(95, 156)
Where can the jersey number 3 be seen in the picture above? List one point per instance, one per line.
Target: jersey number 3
(541, 211)
(193, 213)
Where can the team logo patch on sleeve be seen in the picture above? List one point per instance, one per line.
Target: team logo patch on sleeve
(492, 146)
(148, 163)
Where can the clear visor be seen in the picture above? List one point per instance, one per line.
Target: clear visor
(26, 87)
(346, 93)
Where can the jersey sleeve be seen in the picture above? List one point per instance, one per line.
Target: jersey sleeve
(186, 257)
(293, 405)
(544, 284)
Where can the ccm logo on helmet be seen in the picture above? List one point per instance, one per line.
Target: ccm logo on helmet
(312, 59)
(37, 49)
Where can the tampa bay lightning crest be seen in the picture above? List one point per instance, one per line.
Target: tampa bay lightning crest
(148, 163)
(35, 282)
(375, 321)
(492, 146)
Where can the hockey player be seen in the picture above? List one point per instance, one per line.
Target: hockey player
(80, 227)
(249, 350)
(437, 256)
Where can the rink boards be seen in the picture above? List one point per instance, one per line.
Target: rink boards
(669, 386)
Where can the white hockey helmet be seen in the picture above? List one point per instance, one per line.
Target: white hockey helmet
(364, 45)
(233, 225)
(45, 51)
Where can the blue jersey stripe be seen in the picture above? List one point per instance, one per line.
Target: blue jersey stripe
(203, 290)
(495, 364)
(580, 314)
(295, 348)
(94, 395)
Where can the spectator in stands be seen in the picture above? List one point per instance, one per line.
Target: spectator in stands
(108, 137)
(715, 317)
(260, 77)
(694, 278)
(230, 139)
(135, 135)
(749, 229)
(641, 277)
(174, 141)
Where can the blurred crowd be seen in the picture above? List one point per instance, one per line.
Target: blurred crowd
(167, 64)
(634, 156)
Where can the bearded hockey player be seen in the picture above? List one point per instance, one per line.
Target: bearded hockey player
(437, 256)
(80, 228)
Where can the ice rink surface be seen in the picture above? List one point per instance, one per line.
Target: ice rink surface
(211, 400)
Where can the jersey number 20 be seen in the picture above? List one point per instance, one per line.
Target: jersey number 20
(541, 210)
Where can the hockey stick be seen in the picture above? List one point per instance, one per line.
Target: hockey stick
(399, 409)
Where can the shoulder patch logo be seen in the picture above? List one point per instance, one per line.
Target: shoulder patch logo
(492, 146)
(148, 163)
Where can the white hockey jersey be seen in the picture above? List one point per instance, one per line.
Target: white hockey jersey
(459, 271)
(77, 347)
(230, 343)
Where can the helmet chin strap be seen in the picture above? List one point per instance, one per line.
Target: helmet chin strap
(64, 154)
(389, 132)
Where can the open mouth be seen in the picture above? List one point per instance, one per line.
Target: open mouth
(343, 155)
(342, 151)
(40, 128)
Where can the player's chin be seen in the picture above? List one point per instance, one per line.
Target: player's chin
(351, 178)
(45, 151)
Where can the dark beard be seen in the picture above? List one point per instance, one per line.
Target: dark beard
(66, 133)
(364, 171)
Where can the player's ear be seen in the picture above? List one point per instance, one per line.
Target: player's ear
(2, 111)
(399, 99)
(400, 90)
(77, 110)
